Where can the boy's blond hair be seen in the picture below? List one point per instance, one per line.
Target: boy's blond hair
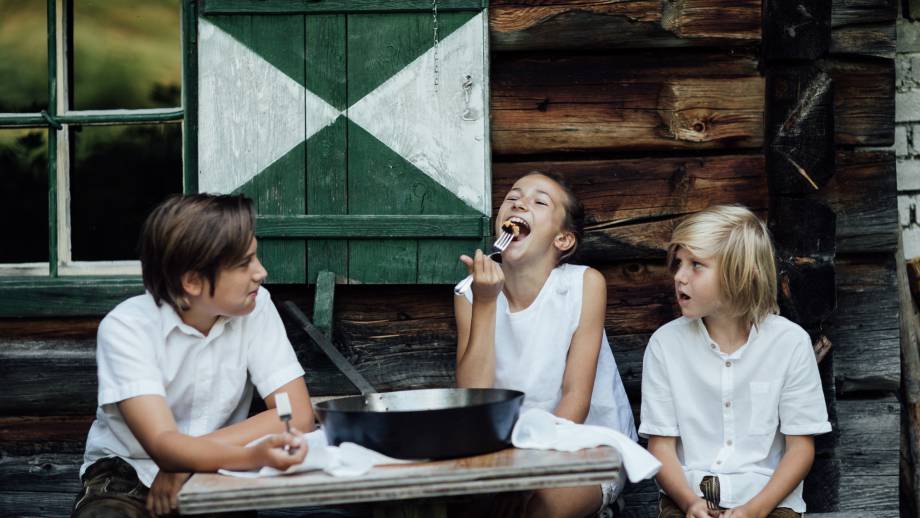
(740, 245)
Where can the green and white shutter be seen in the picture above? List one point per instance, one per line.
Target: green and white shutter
(362, 136)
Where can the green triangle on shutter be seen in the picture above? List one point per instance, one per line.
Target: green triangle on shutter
(381, 181)
(279, 190)
(277, 39)
(379, 45)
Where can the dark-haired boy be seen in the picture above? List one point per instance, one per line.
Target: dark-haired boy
(177, 365)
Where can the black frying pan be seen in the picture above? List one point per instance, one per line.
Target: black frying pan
(414, 424)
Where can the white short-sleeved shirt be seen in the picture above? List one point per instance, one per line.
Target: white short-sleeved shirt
(731, 411)
(207, 381)
(532, 346)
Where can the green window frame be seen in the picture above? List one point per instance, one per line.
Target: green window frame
(62, 287)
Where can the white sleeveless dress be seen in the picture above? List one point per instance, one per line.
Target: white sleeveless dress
(532, 345)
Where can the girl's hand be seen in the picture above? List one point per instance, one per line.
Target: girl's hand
(162, 497)
(270, 452)
(699, 509)
(488, 277)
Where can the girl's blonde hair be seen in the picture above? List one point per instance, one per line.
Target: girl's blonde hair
(740, 245)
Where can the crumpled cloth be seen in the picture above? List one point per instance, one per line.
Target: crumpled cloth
(540, 430)
(345, 460)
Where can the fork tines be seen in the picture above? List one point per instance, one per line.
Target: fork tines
(503, 241)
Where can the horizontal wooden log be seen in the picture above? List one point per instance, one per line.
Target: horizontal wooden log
(865, 327)
(865, 40)
(631, 205)
(29, 435)
(863, 195)
(36, 503)
(640, 101)
(46, 473)
(517, 25)
(865, 27)
(863, 101)
(869, 451)
(48, 377)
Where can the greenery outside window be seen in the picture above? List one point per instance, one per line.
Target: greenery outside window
(92, 135)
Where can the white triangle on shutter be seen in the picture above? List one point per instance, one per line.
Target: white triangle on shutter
(250, 113)
(425, 124)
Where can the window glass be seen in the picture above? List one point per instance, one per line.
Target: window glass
(23, 56)
(118, 174)
(126, 54)
(24, 195)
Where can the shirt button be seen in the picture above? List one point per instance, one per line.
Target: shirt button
(712, 346)
(728, 442)
(728, 364)
(728, 404)
(718, 462)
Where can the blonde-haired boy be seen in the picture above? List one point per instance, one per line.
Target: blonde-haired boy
(730, 389)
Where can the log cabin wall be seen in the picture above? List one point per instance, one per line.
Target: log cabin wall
(652, 110)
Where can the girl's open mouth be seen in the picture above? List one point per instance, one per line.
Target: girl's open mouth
(681, 296)
(517, 226)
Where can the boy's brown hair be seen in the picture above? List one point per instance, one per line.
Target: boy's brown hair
(195, 233)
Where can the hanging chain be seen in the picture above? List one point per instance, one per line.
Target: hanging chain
(434, 18)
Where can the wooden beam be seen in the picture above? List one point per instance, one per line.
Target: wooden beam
(865, 27)
(863, 101)
(865, 325)
(796, 29)
(635, 102)
(517, 25)
(863, 194)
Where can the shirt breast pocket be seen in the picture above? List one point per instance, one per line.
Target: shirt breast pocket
(764, 407)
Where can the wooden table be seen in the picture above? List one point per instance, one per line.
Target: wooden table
(507, 470)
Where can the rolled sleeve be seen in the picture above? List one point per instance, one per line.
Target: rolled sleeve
(271, 359)
(658, 415)
(126, 362)
(802, 410)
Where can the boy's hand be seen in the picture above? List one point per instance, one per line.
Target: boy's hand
(270, 452)
(162, 497)
(743, 512)
(699, 509)
(488, 277)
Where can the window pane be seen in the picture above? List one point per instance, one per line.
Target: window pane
(118, 174)
(126, 54)
(24, 195)
(23, 56)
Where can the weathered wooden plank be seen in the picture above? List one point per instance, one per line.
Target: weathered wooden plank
(35, 504)
(517, 25)
(863, 101)
(863, 195)
(684, 100)
(64, 297)
(866, 325)
(327, 188)
(48, 472)
(869, 450)
(867, 40)
(48, 377)
(854, 12)
(632, 204)
(29, 435)
(796, 30)
(376, 226)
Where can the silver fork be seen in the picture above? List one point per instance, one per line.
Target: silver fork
(498, 247)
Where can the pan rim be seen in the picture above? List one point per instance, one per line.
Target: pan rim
(513, 396)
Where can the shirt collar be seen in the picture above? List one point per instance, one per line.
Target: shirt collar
(714, 347)
(171, 320)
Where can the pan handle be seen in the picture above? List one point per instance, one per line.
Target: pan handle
(355, 377)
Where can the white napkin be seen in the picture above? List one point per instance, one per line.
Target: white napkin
(346, 460)
(540, 430)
